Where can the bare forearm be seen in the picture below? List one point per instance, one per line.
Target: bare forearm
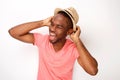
(86, 60)
(25, 28)
(88, 63)
(22, 31)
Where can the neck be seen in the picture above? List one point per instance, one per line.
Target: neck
(58, 45)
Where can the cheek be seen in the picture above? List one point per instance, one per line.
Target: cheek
(61, 33)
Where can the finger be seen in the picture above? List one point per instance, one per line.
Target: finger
(78, 28)
(78, 31)
(51, 17)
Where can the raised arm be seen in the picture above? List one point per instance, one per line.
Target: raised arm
(86, 60)
(22, 31)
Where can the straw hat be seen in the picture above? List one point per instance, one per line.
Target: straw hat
(72, 13)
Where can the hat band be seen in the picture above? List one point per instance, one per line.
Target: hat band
(69, 14)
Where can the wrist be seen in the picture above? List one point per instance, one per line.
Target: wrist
(43, 23)
(77, 41)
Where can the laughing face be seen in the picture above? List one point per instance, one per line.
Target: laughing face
(59, 28)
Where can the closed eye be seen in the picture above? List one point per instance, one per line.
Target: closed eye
(60, 26)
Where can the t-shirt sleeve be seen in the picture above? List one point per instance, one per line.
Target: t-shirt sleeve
(38, 38)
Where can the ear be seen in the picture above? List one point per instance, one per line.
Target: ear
(70, 31)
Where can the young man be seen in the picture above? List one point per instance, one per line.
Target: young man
(57, 53)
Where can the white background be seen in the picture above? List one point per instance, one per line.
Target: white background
(100, 26)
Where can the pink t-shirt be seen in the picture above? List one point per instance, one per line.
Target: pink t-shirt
(55, 65)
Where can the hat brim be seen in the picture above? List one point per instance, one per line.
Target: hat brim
(59, 9)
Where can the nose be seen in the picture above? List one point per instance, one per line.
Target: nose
(52, 28)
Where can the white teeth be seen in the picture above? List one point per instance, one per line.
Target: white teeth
(52, 34)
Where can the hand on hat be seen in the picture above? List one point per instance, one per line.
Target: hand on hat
(75, 35)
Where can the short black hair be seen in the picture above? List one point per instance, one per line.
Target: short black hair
(67, 16)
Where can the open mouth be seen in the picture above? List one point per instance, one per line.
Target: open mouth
(52, 36)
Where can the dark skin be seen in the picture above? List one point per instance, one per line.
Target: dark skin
(59, 28)
(60, 31)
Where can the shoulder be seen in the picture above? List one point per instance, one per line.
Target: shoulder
(70, 43)
(71, 48)
(40, 38)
